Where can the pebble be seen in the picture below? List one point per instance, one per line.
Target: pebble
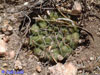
(6, 39)
(91, 58)
(99, 29)
(60, 58)
(1, 6)
(98, 33)
(3, 46)
(18, 65)
(8, 33)
(26, 3)
(34, 74)
(10, 28)
(5, 65)
(77, 6)
(0, 19)
(38, 68)
(11, 54)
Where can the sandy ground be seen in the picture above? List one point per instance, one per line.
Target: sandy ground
(84, 56)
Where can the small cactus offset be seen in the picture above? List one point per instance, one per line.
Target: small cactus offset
(52, 41)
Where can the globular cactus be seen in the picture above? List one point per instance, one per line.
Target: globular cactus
(53, 42)
(43, 24)
(65, 50)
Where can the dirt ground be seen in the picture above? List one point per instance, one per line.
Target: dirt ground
(85, 57)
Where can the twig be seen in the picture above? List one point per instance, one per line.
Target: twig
(27, 27)
(56, 20)
(21, 43)
(44, 8)
(61, 12)
(52, 55)
(19, 49)
(67, 19)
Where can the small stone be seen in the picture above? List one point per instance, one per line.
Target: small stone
(91, 58)
(48, 12)
(77, 6)
(38, 68)
(26, 42)
(60, 58)
(6, 39)
(18, 65)
(70, 69)
(1, 6)
(99, 29)
(4, 29)
(81, 41)
(3, 47)
(5, 65)
(58, 0)
(11, 54)
(0, 19)
(6, 23)
(10, 28)
(25, 74)
(34, 74)
(26, 3)
(7, 33)
(98, 33)
(80, 71)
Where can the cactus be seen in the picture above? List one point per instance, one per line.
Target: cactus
(66, 50)
(53, 15)
(43, 24)
(34, 29)
(37, 51)
(61, 39)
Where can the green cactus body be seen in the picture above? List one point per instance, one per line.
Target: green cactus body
(35, 29)
(54, 54)
(73, 44)
(50, 33)
(64, 31)
(53, 15)
(56, 29)
(40, 39)
(43, 24)
(74, 41)
(71, 30)
(49, 29)
(68, 38)
(76, 29)
(33, 40)
(53, 45)
(60, 37)
(48, 40)
(43, 33)
(66, 50)
(42, 46)
(61, 44)
(37, 51)
(75, 37)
